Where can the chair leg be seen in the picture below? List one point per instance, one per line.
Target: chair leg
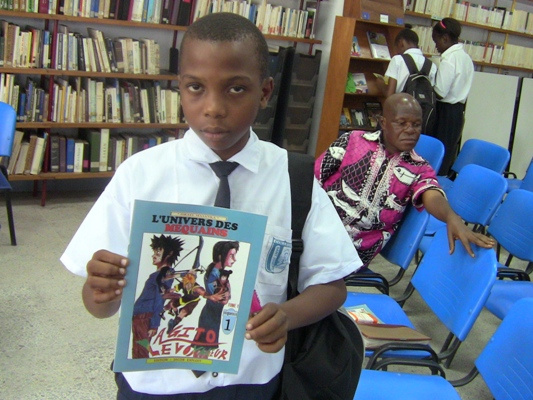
(10, 219)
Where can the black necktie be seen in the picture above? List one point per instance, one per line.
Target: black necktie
(222, 169)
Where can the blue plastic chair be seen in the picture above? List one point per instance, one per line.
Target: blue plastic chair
(506, 365)
(475, 196)
(431, 149)
(480, 152)
(399, 251)
(454, 286)
(8, 120)
(512, 228)
(515, 183)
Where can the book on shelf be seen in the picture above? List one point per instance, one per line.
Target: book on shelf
(359, 80)
(377, 333)
(21, 159)
(69, 154)
(378, 45)
(54, 153)
(346, 120)
(38, 155)
(181, 345)
(373, 111)
(359, 118)
(29, 156)
(356, 49)
(17, 143)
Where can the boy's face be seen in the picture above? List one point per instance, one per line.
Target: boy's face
(221, 92)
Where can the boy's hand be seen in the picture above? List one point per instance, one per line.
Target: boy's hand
(268, 328)
(105, 281)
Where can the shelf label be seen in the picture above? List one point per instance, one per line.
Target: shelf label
(384, 18)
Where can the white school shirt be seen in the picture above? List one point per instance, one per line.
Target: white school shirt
(455, 75)
(259, 185)
(398, 70)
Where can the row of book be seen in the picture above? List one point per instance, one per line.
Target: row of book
(488, 52)
(270, 19)
(91, 100)
(90, 151)
(435, 8)
(496, 17)
(365, 118)
(510, 55)
(29, 47)
(176, 12)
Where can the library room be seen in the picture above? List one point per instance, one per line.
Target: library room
(128, 131)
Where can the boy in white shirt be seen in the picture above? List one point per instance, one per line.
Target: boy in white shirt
(406, 42)
(223, 81)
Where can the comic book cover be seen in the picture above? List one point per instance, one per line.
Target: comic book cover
(190, 287)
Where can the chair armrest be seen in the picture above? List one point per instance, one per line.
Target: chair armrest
(368, 279)
(513, 274)
(435, 368)
(377, 357)
(509, 174)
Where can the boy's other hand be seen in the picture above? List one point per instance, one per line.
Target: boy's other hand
(105, 276)
(268, 328)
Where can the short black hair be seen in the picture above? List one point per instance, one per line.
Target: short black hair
(448, 26)
(171, 246)
(408, 35)
(229, 27)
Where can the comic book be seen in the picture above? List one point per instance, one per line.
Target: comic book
(190, 287)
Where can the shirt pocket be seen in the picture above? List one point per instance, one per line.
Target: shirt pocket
(275, 259)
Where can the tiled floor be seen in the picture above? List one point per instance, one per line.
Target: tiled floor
(51, 348)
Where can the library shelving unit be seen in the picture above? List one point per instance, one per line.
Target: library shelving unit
(51, 22)
(359, 16)
(488, 29)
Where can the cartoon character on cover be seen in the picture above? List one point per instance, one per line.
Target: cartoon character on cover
(224, 256)
(149, 304)
(183, 304)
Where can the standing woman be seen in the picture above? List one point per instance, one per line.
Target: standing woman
(452, 85)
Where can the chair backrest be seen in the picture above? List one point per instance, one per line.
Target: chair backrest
(455, 286)
(8, 120)
(506, 362)
(402, 246)
(476, 194)
(431, 149)
(512, 224)
(481, 152)
(527, 182)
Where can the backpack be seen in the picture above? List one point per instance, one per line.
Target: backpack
(419, 86)
(323, 361)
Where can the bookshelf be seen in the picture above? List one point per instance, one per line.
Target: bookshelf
(490, 31)
(341, 62)
(46, 76)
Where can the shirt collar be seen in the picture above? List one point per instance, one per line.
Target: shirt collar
(377, 136)
(198, 151)
(452, 49)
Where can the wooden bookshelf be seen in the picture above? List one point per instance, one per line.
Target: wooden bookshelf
(341, 63)
(44, 77)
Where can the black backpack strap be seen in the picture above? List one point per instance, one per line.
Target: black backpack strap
(426, 68)
(411, 66)
(301, 174)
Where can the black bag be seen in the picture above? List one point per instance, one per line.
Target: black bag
(419, 86)
(322, 360)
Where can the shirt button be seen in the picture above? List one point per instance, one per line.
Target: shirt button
(215, 374)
